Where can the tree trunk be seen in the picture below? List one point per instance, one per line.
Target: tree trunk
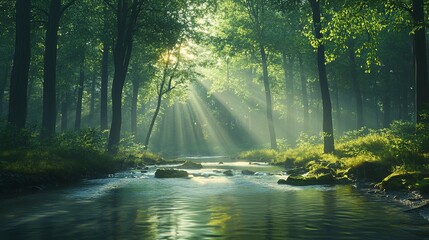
(155, 115)
(78, 118)
(268, 99)
(104, 82)
(65, 111)
(304, 93)
(136, 86)
(288, 79)
(337, 107)
(21, 64)
(356, 86)
(92, 103)
(126, 17)
(3, 85)
(386, 99)
(421, 71)
(328, 133)
(49, 71)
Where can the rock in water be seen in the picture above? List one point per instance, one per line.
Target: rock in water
(228, 173)
(247, 172)
(190, 165)
(170, 173)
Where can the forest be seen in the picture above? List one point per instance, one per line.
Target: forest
(94, 87)
(331, 92)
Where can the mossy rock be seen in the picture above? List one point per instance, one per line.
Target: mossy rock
(322, 171)
(297, 171)
(423, 185)
(289, 163)
(190, 165)
(170, 173)
(247, 172)
(374, 171)
(228, 173)
(298, 180)
(405, 181)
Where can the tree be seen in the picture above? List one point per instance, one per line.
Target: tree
(328, 132)
(78, 118)
(356, 86)
(104, 69)
(21, 64)
(256, 10)
(420, 62)
(127, 13)
(165, 86)
(49, 115)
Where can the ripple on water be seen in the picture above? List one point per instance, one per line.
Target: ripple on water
(207, 206)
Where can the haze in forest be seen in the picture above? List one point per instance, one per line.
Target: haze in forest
(212, 77)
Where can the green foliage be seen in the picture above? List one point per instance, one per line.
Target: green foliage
(86, 140)
(12, 138)
(402, 145)
(67, 157)
(266, 155)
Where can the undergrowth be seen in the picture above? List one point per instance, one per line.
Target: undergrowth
(403, 145)
(69, 155)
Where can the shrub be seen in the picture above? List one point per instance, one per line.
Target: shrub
(265, 155)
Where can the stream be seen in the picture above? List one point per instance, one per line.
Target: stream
(208, 205)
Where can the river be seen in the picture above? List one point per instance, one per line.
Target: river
(208, 205)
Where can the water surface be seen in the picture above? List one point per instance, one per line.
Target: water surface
(209, 205)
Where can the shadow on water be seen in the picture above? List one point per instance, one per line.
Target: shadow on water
(134, 205)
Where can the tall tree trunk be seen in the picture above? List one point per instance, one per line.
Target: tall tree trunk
(126, 21)
(328, 133)
(288, 79)
(21, 64)
(3, 85)
(375, 104)
(92, 103)
(155, 115)
(356, 86)
(49, 71)
(65, 111)
(136, 86)
(404, 97)
(421, 70)
(269, 107)
(78, 118)
(304, 93)
(104, 82)
(386, 99)
(337, 107)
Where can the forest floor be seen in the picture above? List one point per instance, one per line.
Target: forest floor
(25, 171)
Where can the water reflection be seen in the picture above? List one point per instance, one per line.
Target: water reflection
(215, 207)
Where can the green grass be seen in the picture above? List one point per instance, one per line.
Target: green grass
(67, 157)
(265, 155)
(403, 146)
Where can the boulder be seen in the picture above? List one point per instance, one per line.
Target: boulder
(423, 185)
(247, 172)
(322, 170)
(374, 171)
(228, 173)
(289, 163)
(170, 173)
(404, 181)
(190, 165)
(297, 171)
(298, 180)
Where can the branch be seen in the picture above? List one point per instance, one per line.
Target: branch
(69, 4)
(42, 11)
(403, 6)
(110, 5)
